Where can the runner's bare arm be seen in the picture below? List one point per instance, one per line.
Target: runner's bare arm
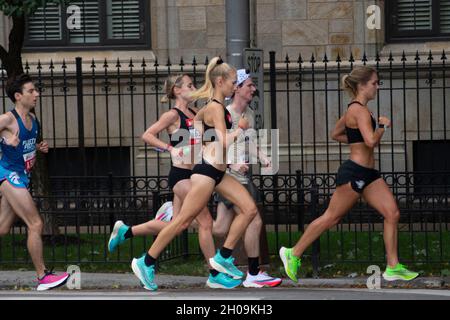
(5, 121)
(200, 116)
(371, 138)
(339, 133)
(150, 136)
(8, 136)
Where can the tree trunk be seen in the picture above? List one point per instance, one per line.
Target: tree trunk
(12, 59)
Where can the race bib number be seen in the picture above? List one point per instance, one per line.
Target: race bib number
(29, 159)
(193, 132)
(195, 136)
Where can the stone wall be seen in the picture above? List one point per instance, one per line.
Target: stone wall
(197, 27)
(188, 28)
(316, 27)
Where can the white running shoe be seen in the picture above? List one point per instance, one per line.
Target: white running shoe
(165, 213)
(262, 280)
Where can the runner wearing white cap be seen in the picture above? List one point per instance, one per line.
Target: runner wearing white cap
(239, 156)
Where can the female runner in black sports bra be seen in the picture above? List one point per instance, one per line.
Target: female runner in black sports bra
(357, 177)
(179, 124)
(220, 82)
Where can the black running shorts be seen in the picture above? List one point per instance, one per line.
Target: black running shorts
(205, 169)
(177, 174)
(359, 176)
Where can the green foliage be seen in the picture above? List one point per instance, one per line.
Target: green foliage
(24, 7)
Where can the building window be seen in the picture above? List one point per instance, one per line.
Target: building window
(104, 24)
(419, 20)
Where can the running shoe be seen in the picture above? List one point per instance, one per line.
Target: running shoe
(399, 272)
(165, 213)
(291, 263)
(261, 280)
(144, 273)
(225, 266)
(51, 280)
(117, 236)
(222, 281)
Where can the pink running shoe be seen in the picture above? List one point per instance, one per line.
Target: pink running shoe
(51, 280)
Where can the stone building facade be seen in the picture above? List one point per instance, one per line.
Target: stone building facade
(196, 28)
(187, 28)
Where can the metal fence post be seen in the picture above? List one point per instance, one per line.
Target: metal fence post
(111, 201)
(273, 89)
(273, 116)
(80, 113)
(155, 207)
(300, 202)
(315, 214)
(185, 243)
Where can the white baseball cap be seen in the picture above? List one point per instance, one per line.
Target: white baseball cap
(242, 75)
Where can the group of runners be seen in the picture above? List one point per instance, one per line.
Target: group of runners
(209, 154)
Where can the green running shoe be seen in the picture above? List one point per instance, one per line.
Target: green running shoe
(399, 272)
(291, 263)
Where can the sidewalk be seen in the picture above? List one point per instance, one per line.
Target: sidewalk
(16, 280)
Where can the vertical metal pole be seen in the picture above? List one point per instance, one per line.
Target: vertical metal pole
(111, 201)
(80, 105)
(156, 204)
(238, 30)
(300, 202)
(315, 214)
(273, 106)
(273, 89)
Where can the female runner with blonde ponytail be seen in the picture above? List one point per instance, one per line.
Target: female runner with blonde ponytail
(179, 124)
(207, 176)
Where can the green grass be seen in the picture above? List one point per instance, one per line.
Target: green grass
(364, 246)
(339, 251)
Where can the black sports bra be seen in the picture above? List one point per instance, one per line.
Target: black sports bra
(186, 123)
(354, 135)
(228, 119)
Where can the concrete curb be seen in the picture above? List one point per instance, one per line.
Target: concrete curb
(15, 280)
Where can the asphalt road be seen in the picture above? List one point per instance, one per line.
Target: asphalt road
(243, 294)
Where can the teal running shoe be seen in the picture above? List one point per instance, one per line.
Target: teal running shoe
(117, 236)
(145, 274)
(225, 266)
(222, 281)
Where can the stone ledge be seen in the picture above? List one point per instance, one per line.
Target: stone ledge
(424, 48)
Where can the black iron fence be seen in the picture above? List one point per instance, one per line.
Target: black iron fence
(93, 115)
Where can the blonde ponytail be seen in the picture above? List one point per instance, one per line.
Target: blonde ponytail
(170, 84)
(216, 68)
(359, 75)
